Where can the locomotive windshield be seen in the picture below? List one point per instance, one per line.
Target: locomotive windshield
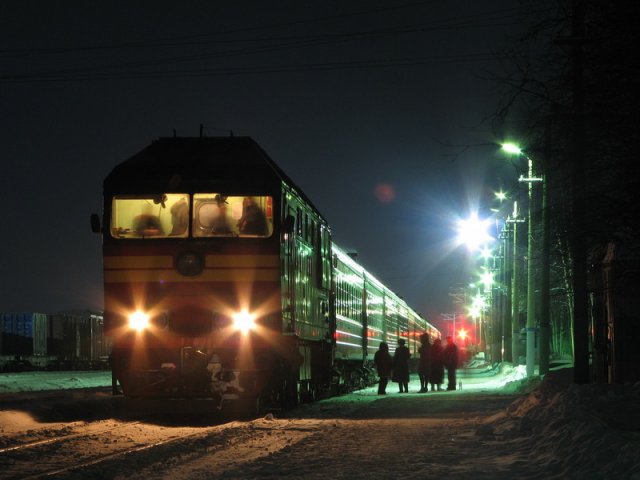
(213, 215)
(155, 216)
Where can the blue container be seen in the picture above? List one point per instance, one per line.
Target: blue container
(24, 333)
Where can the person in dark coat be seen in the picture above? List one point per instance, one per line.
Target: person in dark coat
(436, 372)
(450, 360)
(425, 362)
(253, 220)
(384, 364)
(401, 366)
(147, 224)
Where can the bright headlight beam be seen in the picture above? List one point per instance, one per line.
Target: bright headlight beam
(244, 321)
(138, 320)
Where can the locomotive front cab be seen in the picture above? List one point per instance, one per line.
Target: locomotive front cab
(192, 270)
(217, 275)
(190, 288)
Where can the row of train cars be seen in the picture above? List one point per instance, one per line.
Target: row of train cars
(62, 341)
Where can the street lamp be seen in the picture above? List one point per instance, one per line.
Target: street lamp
(476, 311)
(474, 232)
(487, 280)
(531, 314)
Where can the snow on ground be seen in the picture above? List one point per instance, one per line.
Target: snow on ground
(39, 381)
(481, 379)
(499, 425)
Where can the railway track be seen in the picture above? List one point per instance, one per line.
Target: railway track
(78, 467)
(53, 440)
(87, 446)
(143, 450)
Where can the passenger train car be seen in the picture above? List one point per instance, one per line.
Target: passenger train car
(366, 314)
(221, 281)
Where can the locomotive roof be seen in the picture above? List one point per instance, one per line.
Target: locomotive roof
(192, 163)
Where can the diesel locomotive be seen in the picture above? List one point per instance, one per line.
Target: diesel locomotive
(221, 281)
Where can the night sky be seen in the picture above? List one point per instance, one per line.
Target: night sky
(379, 110)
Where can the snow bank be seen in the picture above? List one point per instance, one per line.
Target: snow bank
(589, 431)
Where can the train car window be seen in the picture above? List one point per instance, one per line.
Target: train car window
(219, 215)
(150, 216)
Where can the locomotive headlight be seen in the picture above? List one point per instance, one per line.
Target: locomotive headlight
(244, 321)
(138, 320)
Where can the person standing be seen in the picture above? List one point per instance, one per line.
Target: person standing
(450, 359)
(384, 364)
(253, 220)
(436, 372)
(425, 362)
(401, 366)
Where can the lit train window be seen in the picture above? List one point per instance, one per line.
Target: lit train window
(150, 216)
(219, 215)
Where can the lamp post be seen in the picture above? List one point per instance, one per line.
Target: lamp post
(473, 232)
(531, 313)
(505, 290)
(515, 220)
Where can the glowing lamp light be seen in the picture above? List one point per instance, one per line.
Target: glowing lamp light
(474, 311)
(487, 279)
(486, 253)
(477, 306)
(479, 302)
(462, 335)
(139, 320)
(511, 148)
(244, 321)
(473, 232)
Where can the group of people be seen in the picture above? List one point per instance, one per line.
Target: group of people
(434, 358)
(252, 222)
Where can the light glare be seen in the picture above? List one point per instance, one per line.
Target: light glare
(473, 232)
(487, 279)
(501, 196)
(139, 320)
(511, 148)
(244, 321)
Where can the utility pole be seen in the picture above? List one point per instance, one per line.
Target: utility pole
(532, 252)
(496, 307)
(506, 310)
(515, 290)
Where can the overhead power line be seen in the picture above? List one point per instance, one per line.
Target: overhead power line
(252, 70)
(160, 66)
(471, 20)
